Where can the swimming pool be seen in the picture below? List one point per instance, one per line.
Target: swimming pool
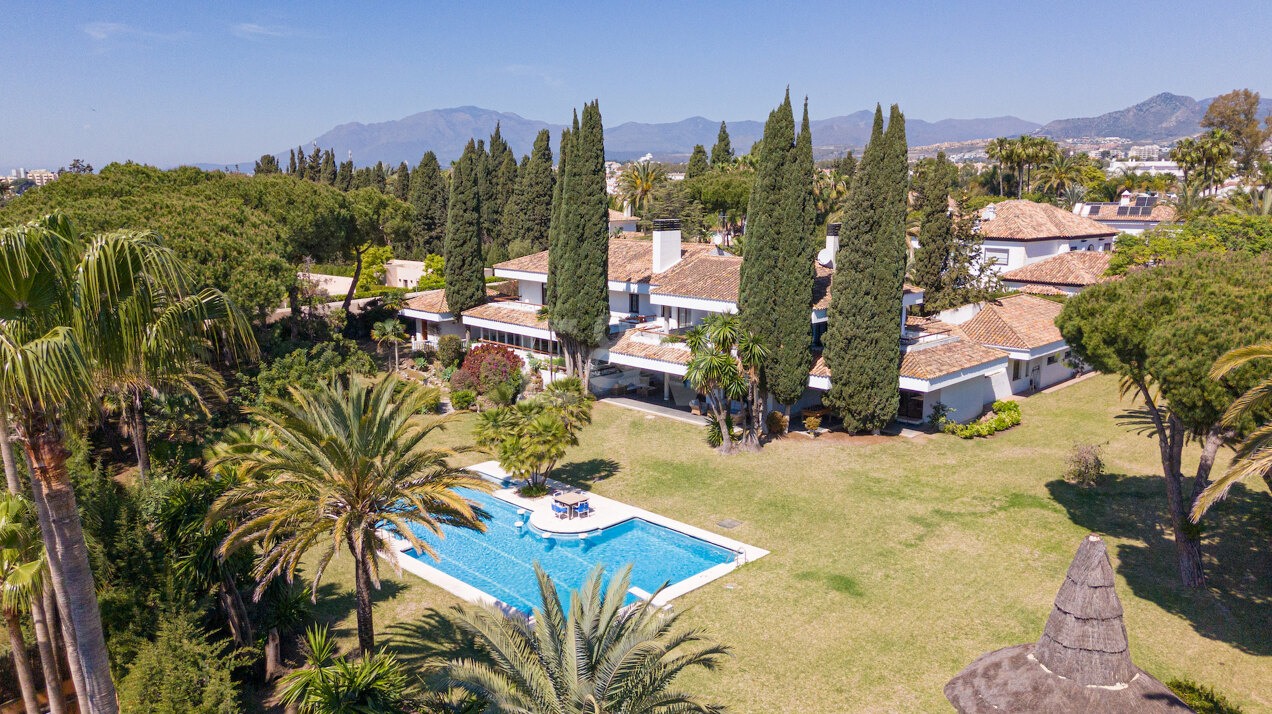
(500, 561)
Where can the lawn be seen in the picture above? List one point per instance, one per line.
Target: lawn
(893, 565)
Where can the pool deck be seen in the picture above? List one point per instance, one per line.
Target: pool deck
(606, 512)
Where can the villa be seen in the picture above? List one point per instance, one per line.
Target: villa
(1065, 274)
(1132, 213)
(1017, 233)
(658, 289)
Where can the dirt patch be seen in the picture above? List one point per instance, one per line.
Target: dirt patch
(840, 437)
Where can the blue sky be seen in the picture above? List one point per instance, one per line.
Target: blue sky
(166, 83)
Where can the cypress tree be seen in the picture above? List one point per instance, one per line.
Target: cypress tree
(862, 339)
(580, 313)
(505, 181)
(936, 228)
(291, 163)
(790, 353)
(315, 165)
(329, 168)
(847, 165)
(465, 277)
(766, 227)
(429, 199)
(698, 164)
(378, 177)
(528, 216)
(302, 171)
(558, 208)
(722, 152)
(402, 182)
(344, 176)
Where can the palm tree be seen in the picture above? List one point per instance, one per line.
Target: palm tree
(999, 150)
(638, 181)
(1187, 153)
(598, 657)
(1254, 454)
(64, 305)
(1061, 173)
(1216, 152)
(330, 684)
(389, 330)
(723, 376)
(22, 565)
(170, 337)
(828, 194)
(343, 463)
(532, 436)
(1252, 202)
(1192, 202)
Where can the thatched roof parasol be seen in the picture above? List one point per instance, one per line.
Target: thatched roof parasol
(1080, 665)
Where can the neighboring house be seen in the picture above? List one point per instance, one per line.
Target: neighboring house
(1131, 214)
(404, 273)
(1064, 274)
(623, 221)
(333, 285)
(660, 288)
(430, 318)
(1018, 232)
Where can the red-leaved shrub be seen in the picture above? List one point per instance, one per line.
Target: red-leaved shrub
(490, 365)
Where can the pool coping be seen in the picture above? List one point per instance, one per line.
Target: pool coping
(616, 512)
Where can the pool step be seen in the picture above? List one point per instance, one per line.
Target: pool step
(639, 593)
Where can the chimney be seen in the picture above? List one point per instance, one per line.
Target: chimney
(666, 243)
(1124, 199)
(826, 256)
(627, 209)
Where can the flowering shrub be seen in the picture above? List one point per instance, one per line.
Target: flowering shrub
(462, 379)
(492, 365)
(1003, 415)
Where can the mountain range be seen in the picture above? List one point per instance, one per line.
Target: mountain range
(1159, 119)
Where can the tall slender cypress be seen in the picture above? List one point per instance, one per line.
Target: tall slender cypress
(555, 263)
(402, 182)
(790, 352)
(465, 277)
(580, 313)
(890, 246)
(936, 228)
(378, 177)
(428, 198)
(528, 216)
(698, 163)
(291, 163)
(860, 358)
(505, 185)
(722, 152)
(302, 170)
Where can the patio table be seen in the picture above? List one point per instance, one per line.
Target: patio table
(570, 500)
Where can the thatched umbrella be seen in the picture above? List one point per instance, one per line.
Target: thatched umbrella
(1080, 665)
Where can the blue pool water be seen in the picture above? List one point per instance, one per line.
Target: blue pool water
(500, 561)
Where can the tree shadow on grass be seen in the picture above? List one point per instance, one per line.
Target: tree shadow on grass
(337, 602)
(1233, 607)
(582, 474)
(427, 643)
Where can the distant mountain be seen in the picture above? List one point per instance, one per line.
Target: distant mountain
(445, 131)
(1160, 118)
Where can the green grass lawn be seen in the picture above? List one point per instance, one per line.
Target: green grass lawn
(893, 565)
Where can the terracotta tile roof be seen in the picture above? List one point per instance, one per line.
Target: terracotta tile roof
(1161, 213)
(1026, 220)
(619, 217)
(1018, 321)
(933, 360)
(629, 344)
(716, 277)
(501, 312)
(930, 361)
(1075, 268)
(435, 300)
(630, 261)
(1033, 289)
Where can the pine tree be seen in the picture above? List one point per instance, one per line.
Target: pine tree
(862, 347)
(528, 216)
(267, 164)
(291, 163)
(698, 164)
(465, 275)
(580, 313)
(936, 229)
(328, 168)
(722, 152)
(402, 182)
(429, 198)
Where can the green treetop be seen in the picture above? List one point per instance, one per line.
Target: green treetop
(722, 152)
(428, 198)
(528, 216)
(465, 277)
(698, 163)
(936, 228)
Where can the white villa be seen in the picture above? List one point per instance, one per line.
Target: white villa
(1017, 233)
(965, 358)
(1132, 213)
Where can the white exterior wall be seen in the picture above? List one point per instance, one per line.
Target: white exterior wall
(434, 329)
(530, 292)
(966, 400)
(620, 302)
(1047, 374)
(1017, 254)
(403, 273)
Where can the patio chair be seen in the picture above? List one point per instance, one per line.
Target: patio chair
(560, 510)
(583, 510)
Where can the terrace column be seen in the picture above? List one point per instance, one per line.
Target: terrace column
(667, 388)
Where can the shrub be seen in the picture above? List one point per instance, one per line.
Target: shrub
(463, 380)
(776, 422)
(939, 416)
(447, 373)
(424, 355)
(713, 429)
(432, 403)
(463, 399)
(181, 671)
(1084, 466)
(450, 350)
(493, 365)
(1003, 415)
(503, 395)
(812, 424)
(1203, 700)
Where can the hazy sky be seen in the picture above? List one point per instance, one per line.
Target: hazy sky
(166, 83)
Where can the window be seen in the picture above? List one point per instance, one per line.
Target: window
(683, 317)
(1052, 359)
(1015, 369)
(999, 256)
(633, 304)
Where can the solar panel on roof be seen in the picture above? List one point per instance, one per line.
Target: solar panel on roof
(1095, 211)
(1122, 210)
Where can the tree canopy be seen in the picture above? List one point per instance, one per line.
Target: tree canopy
(1215, 234)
